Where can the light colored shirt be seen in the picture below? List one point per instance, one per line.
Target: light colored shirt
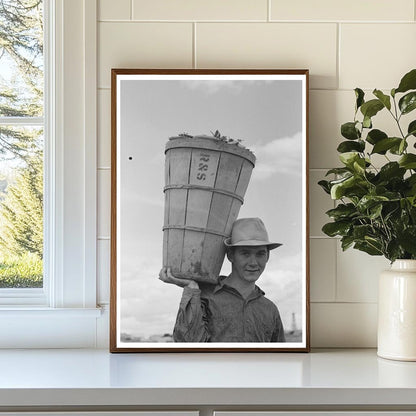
(218, 313)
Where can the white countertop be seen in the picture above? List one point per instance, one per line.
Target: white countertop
(96, 377)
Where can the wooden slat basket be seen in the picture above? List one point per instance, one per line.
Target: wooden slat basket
(206, 179)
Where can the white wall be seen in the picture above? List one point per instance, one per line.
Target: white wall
(345, 44)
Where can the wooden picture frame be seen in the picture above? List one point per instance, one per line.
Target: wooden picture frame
(179, 138)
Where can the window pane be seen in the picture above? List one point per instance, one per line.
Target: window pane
(21, 146)
(21, 208)
(21, 58)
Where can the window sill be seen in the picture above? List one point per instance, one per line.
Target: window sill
(35, 312)
(39, 327)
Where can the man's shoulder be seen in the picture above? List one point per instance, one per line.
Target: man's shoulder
(268, 302)
(208, 288)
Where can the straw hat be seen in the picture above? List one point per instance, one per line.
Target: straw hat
(249, 232)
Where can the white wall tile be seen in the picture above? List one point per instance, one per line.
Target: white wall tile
(103, 271)
(328, 110)
(199, 10)
(376, 55)
(104, 129)
(319, 203)
(114, 10)
(349, 325)
(342, 10)
(258, 45)
(357, 275)
(143, 45)
(104, 202)
(323, 269)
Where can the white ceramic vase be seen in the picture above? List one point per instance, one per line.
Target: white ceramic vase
(397, 312)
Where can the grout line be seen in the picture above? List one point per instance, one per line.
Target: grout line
(311, 22)
(294, 21)
(103, 238)
(269, 10)
(356, 302)
(131, 9)
(104, 168)
(336, 270)
(194, 63)
(338, 63)
(323, 237)
(319, 169)
(336, 263)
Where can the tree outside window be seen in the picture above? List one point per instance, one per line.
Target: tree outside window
(21, 143)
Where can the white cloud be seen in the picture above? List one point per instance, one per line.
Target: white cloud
(148, 306)
(282, 283)
(282, 155)
(213, 86)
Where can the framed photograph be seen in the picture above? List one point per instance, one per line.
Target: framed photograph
(209, 211)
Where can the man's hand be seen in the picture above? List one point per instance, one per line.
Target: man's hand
(166, 276)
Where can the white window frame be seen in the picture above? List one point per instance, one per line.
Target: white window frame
(64, 313)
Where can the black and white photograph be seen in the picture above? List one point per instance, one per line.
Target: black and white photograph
(209, 242)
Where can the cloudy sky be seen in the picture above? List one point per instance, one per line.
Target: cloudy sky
(267, 117)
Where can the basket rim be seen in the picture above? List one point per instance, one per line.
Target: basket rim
(210, 143)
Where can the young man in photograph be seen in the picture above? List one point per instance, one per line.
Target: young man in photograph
(235, 309)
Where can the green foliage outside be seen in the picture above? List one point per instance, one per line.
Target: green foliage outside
(376, 210)
(21, 147)
(22, 271)
(21, 214)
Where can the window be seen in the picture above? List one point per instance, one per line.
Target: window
(22, 127)
(63, 312)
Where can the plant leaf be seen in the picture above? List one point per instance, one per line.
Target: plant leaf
(346, 242)
(349, 131)
(338, 189)
(333, 229)
(342, 211)
(371, 108)
(385, 99)
(338, 171)
(383, 145)
(368, 248)
(369, 201)
(407, 239)
(375, 211)
(408, 82)
(359, 95)
(408, 161)
(390, 170)
(367, 122)
(325, 186)
(361, 231)
(408, 102)
(393, 250)
(349, 146)
(398, 149)
(359, 165)
(348, 158)
(411, 130)
(375, 136)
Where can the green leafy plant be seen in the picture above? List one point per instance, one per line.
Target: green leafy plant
(22, 271)
(376, 210)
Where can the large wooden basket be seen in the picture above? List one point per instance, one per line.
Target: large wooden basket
(206, 179)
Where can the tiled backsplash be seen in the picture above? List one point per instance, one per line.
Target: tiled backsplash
(345, 44)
